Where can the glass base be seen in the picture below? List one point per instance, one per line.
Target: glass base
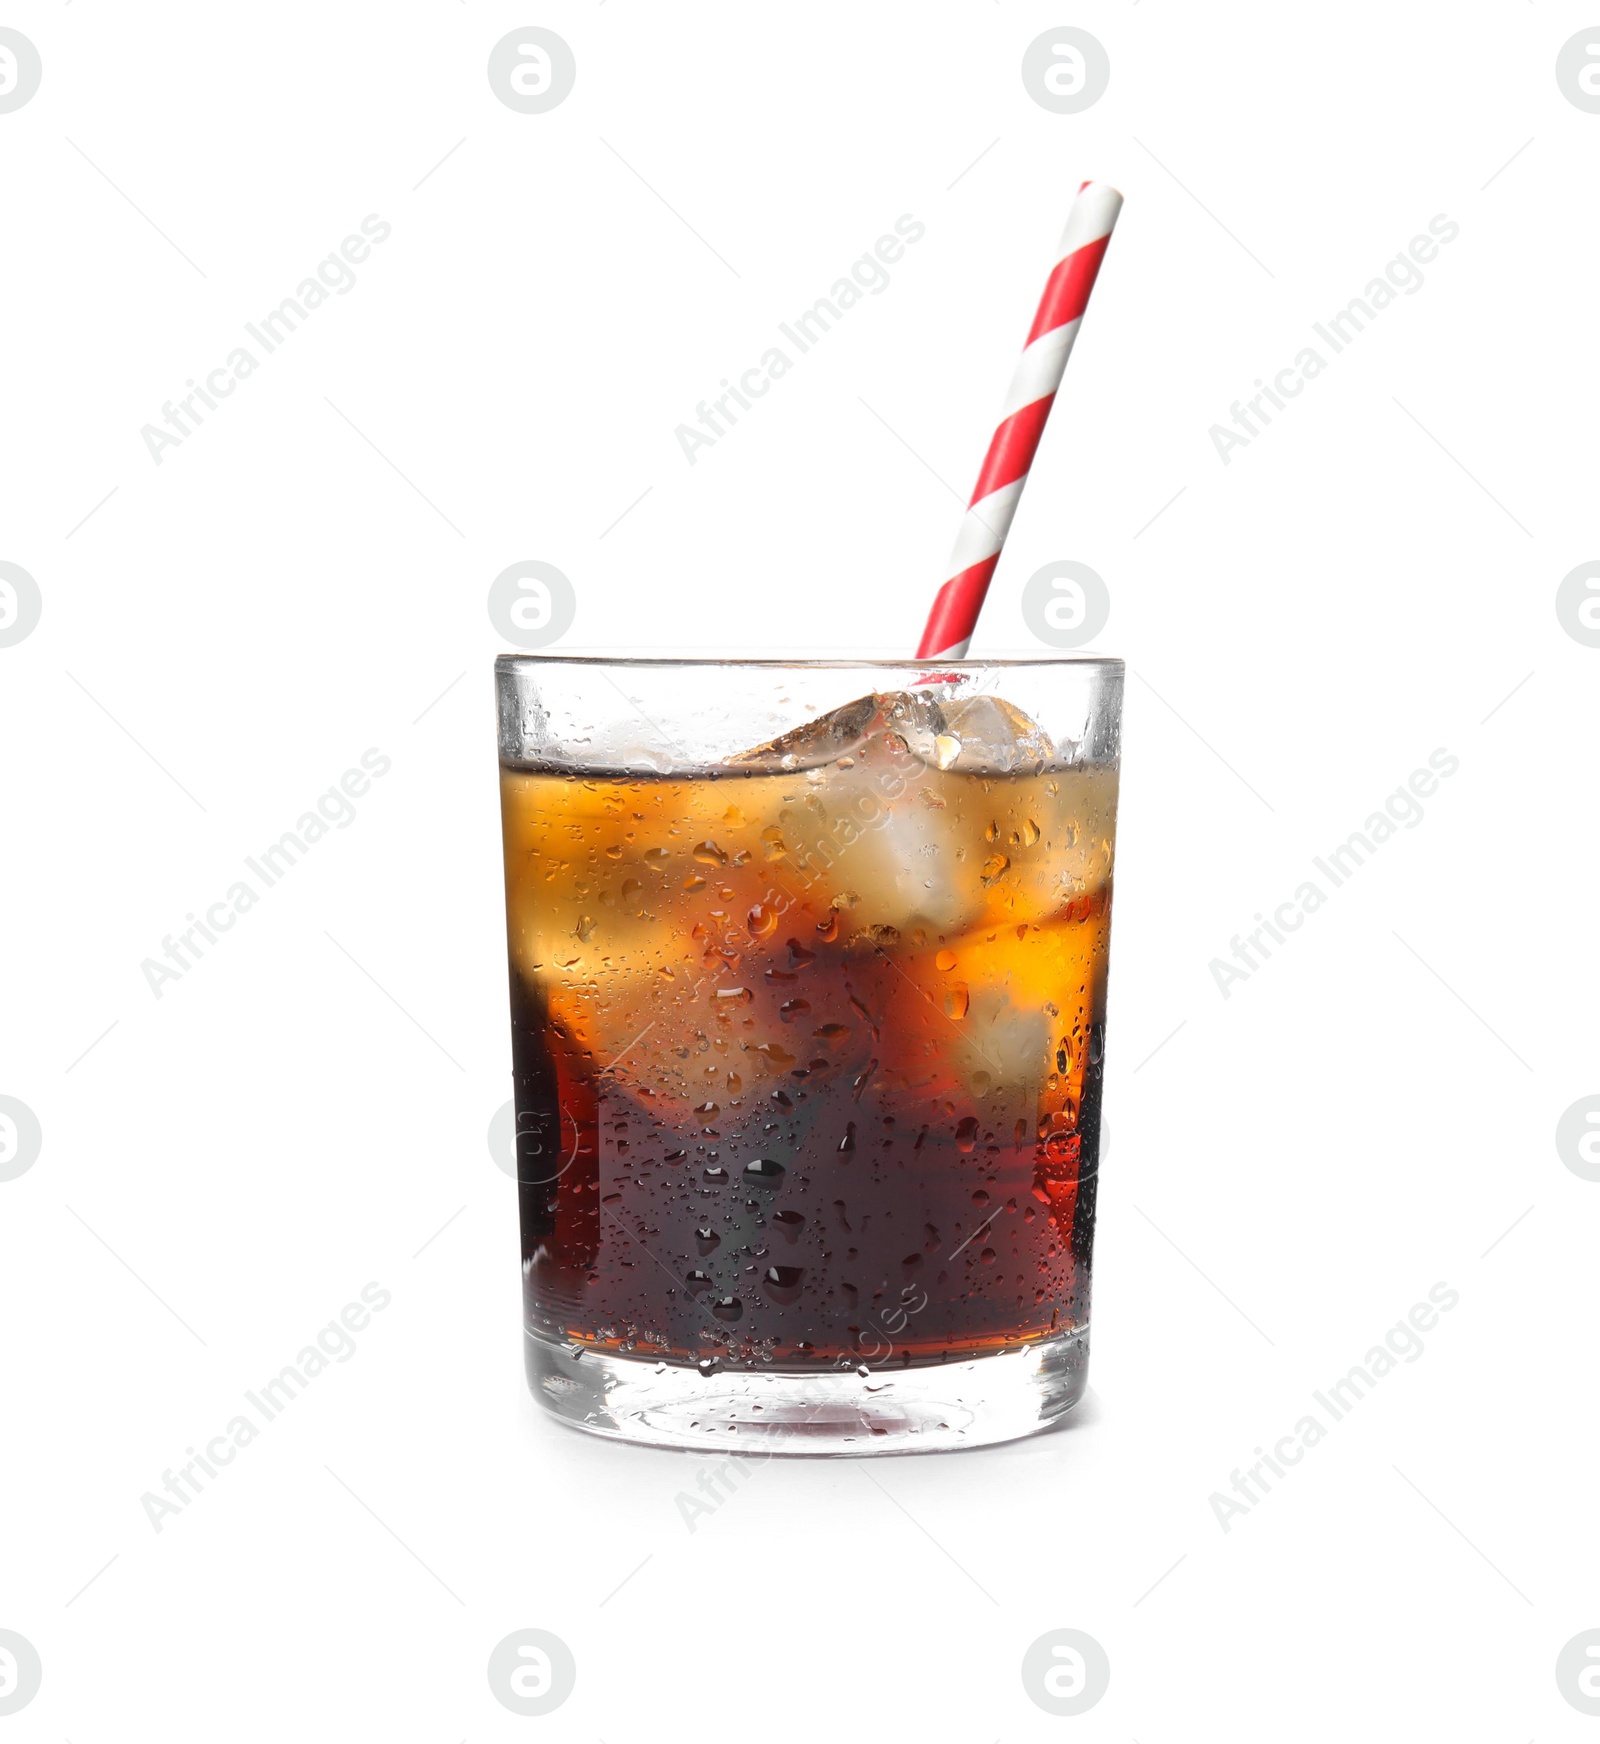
(760, 1412)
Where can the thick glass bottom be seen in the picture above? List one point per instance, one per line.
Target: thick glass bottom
(765, 1411)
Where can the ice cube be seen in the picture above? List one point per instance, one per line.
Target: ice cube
(884, 827)
(993, 738)
(918, 717)
(1012, 1040)
(814, 743)
(897, 861)
(915, 717)
(876, 833)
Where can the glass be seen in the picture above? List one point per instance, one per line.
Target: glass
(808, 981)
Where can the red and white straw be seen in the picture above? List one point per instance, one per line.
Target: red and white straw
(1016, 437)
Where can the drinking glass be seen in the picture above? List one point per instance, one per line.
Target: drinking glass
(808, 987)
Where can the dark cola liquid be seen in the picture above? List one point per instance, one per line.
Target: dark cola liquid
(808, 1066)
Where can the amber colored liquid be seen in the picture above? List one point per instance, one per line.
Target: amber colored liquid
(808, 1065)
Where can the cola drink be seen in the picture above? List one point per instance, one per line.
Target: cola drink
(808, 1045)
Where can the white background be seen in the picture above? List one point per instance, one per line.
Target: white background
(1373, 578)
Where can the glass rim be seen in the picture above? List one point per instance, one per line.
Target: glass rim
(825, 663)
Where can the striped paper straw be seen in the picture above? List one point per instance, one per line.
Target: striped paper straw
(1016, 437)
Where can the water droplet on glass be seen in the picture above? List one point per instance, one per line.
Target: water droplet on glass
(727, 1308)
(763, 1172)
(783, 1283)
